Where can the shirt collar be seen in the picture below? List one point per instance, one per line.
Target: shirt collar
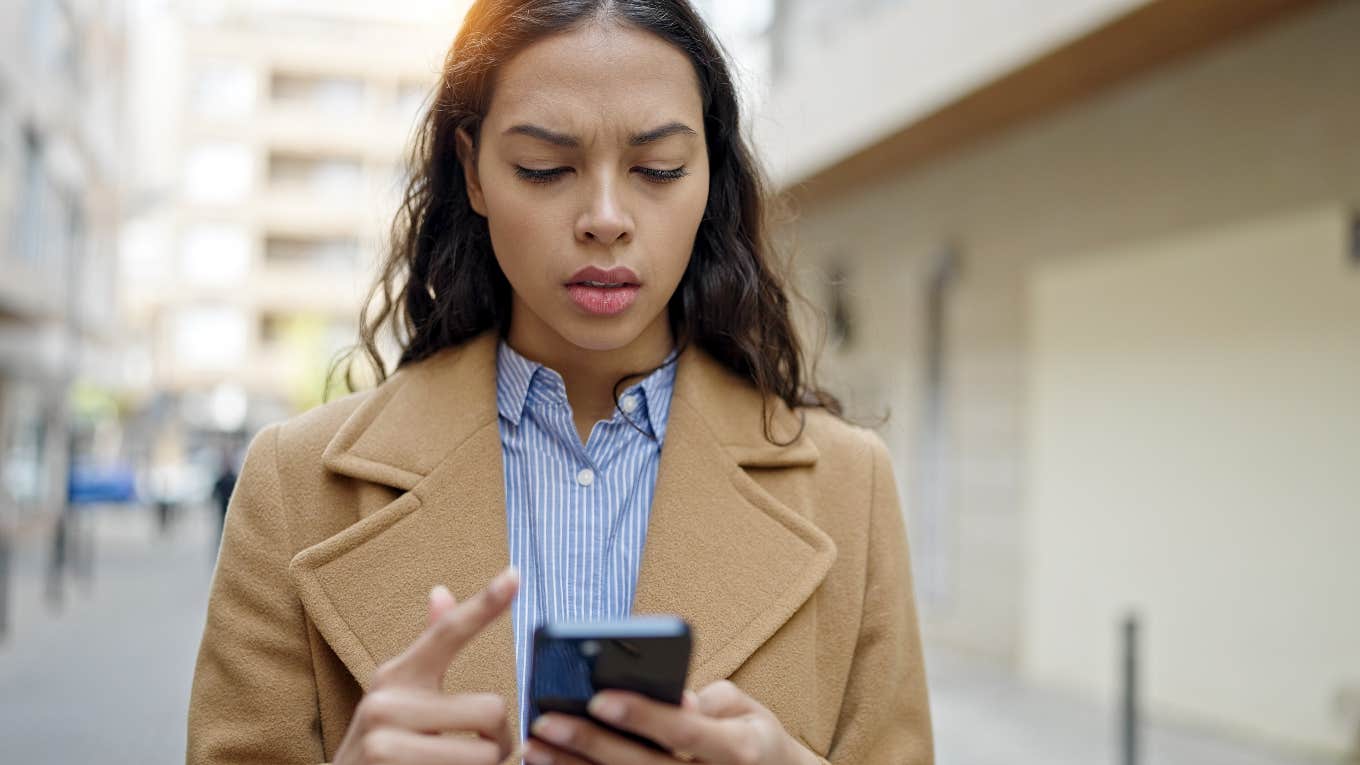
(513, 375)
(521, 383)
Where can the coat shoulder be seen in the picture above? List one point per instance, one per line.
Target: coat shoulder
(840, 442)
(309, 432)
(853, 466)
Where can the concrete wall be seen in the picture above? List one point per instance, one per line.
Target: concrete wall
(1253, 130)
(830, 94)
(1192, 432)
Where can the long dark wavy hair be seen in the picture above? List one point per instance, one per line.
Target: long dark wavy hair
(440, 284)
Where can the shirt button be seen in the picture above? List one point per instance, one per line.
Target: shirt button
(628, 404)
(586, 477)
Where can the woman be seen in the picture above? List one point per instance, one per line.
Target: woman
(599, 383)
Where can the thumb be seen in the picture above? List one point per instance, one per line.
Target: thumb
(441, 600)
(690, 701)
(724, 699)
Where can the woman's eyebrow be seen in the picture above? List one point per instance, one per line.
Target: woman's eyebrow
(656, 134)
(571, 141)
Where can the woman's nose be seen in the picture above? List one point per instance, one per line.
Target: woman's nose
(605, 220)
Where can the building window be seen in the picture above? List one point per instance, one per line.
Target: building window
(273, 328)
(51, 35)
(219, 172)
(309, 332)
(330, 94)
(210, 338)
(224, 89)
(215, 254)
(318, 251)
(32, 196)
(315, 174)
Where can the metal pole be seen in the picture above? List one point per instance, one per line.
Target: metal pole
(1129, 728)
(4, 582)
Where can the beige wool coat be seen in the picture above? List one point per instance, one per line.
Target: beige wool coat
(790, 562)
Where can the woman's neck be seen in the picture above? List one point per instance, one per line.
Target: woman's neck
(589, 375)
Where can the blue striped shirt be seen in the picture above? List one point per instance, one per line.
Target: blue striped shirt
(584, 507)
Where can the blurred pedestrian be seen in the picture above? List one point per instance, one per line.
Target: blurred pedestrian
(222, 489)
(581, 272)
(166, 478)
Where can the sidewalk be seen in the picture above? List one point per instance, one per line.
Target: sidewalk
(107, 680)
(984, 716)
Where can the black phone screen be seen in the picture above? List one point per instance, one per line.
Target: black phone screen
(573, 660)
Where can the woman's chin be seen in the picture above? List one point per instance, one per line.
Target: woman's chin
(602, 339)
(603, 334)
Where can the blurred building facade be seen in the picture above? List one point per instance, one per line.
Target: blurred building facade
(1099, 261)
(61, 77)
(275, 137)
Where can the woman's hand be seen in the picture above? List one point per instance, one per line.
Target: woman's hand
(404, 715)
(719, 725)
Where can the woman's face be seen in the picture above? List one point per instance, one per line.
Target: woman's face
(592, 155)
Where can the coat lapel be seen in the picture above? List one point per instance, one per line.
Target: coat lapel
(722, 552)
(435, 435)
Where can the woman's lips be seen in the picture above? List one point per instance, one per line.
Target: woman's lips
(603, 301)
(603, 276)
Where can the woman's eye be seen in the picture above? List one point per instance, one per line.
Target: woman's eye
(548, 175)
(539, 176)
(663, 176)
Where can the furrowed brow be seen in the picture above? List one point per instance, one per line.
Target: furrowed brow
(665, 131)
(570, 141)
(544, 134)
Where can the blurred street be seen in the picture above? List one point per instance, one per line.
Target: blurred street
(116, 666)
(107, 679)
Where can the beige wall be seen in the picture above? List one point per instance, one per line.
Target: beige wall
(1254, 129)
(926, 53)
(1193, 427)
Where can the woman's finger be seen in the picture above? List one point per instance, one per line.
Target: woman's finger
(423, 711)
(540, 753)
(441, 600)
(411, 748)
(425, 661)
(724, 699)
(674, 728)
(586, 740)
(691, 700)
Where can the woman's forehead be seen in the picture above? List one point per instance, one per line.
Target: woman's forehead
(601, 78)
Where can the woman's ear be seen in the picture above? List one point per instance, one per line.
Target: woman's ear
(467, 157)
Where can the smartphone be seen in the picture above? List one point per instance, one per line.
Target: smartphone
(572, 660)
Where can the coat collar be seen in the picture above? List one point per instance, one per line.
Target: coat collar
(720, 551)
(407, 426)
(523, 384)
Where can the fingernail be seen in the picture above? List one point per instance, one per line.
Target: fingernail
(440, 592)
(605, 708)
(550, 730)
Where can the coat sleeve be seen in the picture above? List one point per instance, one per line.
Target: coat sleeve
(254, 696)
(885, 715)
